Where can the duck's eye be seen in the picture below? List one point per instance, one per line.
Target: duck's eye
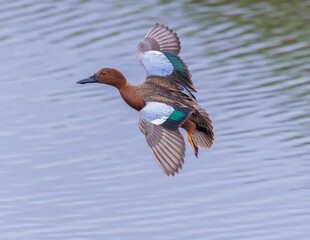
(103, 73)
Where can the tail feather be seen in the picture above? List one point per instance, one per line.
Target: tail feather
(199, 130)
(200, 139)
(204, 126)
(202, 135)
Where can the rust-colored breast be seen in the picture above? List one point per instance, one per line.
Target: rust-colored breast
(132, 96)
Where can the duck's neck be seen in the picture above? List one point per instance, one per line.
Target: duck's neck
(131, 95)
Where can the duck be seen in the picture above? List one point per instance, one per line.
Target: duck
(165, 100)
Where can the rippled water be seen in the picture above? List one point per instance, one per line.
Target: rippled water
(74, 164)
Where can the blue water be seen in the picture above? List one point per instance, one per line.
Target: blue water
(74, 164)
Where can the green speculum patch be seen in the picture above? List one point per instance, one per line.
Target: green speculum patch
(177, 63)
(177, 115)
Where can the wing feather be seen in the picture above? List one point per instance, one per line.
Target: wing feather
(160, 38)
(158, 54)
(167, 146)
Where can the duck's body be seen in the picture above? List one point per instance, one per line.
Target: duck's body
(154, 89)
(165, 99)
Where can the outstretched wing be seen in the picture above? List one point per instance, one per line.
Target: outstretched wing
(162, 39)
(159, 123)
(158, 54)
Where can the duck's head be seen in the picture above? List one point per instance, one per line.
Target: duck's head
(108, 76)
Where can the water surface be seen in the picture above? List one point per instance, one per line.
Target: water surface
(74, 164)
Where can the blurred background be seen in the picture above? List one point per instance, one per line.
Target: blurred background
(73, 163)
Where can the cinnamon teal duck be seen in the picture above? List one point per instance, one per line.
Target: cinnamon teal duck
(165, 100)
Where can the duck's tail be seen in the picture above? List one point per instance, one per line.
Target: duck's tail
(199, 130)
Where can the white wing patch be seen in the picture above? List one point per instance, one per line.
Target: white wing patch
(156, 112)
(155, 63)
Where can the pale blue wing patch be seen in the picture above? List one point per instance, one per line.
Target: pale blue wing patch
(158, 54)
(160, 124)
(165, 115)
(156, 112)
(156, 63)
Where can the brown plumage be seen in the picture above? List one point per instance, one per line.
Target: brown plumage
(165, 100)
